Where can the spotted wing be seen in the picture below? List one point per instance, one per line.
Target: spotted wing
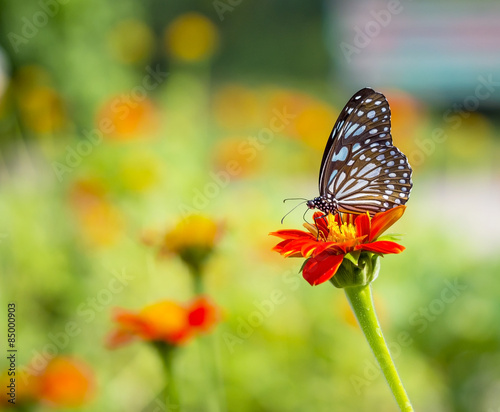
(361, 168)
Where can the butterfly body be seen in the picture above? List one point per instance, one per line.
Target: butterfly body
(361, 170)
(325, 204)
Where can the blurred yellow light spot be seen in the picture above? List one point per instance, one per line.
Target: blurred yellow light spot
(130, 41)
(315, 123)
(100, 222)
(236, 107)
(42, 110)
(191, 37)
(140, 172)
(472, 125)
(66, 383)
(407, 118)
(86, 192)
(41, 107)
(235, 157)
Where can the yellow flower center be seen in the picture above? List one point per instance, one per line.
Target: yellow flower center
(342, 233)
(336, 233)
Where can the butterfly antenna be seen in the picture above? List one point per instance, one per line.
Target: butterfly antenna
(294, 198)
(301, 203)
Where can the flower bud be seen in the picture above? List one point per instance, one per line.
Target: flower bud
(357, 272)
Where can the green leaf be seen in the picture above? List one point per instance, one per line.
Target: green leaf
(303, 264)
(353, 256)
(391, 237)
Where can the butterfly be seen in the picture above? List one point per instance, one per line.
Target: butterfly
(361, 170)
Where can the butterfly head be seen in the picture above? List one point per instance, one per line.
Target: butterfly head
(325, 204)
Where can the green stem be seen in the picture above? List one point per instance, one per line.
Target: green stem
(360, 298)
(171, 394)
(213, 388)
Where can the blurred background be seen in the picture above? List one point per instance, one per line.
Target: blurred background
(117, 119)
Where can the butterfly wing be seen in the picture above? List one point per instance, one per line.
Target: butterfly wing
(361, 168)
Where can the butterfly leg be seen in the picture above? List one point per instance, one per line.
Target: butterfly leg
(341, 222)
(315, 224)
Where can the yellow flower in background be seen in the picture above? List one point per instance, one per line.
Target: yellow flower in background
(191, 37)
(236, 107)
(42, 110)
(314, 123)
(41, 106)
(131, 41)
(193, 231)
(193, 240)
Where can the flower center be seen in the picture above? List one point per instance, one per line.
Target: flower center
(340, 233)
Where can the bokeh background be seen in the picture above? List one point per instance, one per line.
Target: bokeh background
(119, 118)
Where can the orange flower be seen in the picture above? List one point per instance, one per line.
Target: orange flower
(125, 118)
(337, 237)
(203, 314)
(164, 321)
(66, 382)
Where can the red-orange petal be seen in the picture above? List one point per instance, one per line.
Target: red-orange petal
(321, 268)
(118, 338)
(321, 222)
(281, 246)
(292, 234)
(382, 221)
(290, 247)
(363, 225)
(295, 247)
(317, 248)
(127, 320)
(382, 246)
(202, 314)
